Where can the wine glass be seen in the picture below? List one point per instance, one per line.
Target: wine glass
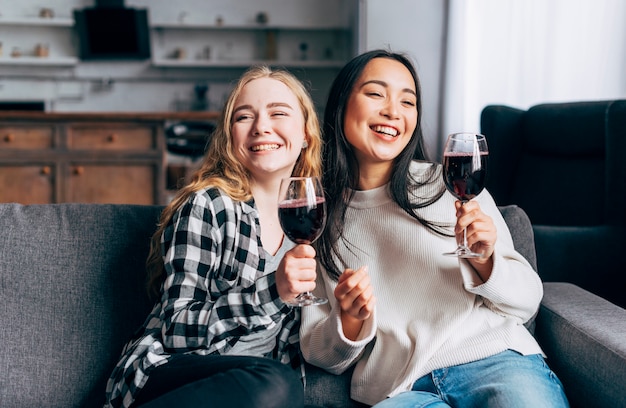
(302, 215)
(464, 172)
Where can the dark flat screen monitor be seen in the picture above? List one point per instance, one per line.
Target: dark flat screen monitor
(114, 33)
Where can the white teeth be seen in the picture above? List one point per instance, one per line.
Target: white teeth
(386, 130)
(264, 147)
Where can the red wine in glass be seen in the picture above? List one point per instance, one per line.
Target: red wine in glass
(302, 215)
(464, 172)
(301, 222)
(463, 177)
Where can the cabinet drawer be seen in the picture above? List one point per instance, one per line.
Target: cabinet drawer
(115, 183)
(107, 137)
(26, 137)
(27, 184)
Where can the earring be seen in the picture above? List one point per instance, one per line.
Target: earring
(304, 145)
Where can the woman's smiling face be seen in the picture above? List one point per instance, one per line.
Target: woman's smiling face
(381, 114)
(268, 128)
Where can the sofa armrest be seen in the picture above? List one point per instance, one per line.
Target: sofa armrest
(584, 337)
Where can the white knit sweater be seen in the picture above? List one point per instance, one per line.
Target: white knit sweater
(432, 310)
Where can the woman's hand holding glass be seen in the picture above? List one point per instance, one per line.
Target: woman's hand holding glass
(464, 173)
(480, 232)
(296, 273)
(302, 215)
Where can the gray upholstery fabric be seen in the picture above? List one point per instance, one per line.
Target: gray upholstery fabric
(71, 290)
(585, 256)
(522, 232)
(72, 294)
(584, 337)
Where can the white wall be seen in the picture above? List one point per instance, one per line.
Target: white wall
(415, 27)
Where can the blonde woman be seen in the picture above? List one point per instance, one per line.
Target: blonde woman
(220, 331)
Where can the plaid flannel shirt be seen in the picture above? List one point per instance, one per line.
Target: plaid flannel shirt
(216, 291)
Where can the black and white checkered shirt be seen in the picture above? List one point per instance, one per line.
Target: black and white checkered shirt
(217, 292)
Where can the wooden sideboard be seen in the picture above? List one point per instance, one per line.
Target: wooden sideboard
(117, 158)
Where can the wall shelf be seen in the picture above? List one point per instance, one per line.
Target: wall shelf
(24, 34)
(244, 27)
(175, 63)
(242, 45)
(37, 21)
(39, 61)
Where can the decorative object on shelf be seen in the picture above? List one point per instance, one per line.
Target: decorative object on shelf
(206, 53)
(42, 50)
(262, 17)
(304, 48)
(16, 52)
(0, 49)
(219, 21)
(271, 49)
(180, 53)
(46, 12)
(201, 97)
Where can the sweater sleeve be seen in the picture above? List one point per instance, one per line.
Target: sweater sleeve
(322, 340)
(514, 288)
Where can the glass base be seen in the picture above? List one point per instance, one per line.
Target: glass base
(463, 252)
(307, 299)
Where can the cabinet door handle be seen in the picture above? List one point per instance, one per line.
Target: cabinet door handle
(9, 137)
(78, 170)
(112, 138)
(46, 170)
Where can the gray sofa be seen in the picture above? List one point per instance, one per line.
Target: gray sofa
(71, 294)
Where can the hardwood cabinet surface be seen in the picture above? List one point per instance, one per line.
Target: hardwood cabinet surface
(115, 158)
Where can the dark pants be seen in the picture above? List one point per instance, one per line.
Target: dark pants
(191, 380)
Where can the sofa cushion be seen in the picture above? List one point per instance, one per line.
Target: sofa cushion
(72, 294)
(564, 129)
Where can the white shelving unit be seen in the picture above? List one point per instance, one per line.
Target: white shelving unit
(239, 46)
(24, 33)
(219, 46)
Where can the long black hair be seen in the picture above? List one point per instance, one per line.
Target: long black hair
(341, 168)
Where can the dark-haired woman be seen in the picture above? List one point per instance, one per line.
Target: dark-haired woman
(421, 328)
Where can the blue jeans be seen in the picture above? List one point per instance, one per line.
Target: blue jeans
(508, 380)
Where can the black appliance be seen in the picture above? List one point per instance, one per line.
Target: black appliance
(110, 31)
(189, 138)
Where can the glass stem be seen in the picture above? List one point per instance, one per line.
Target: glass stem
(464, 229)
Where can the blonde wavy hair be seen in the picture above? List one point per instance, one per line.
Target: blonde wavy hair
(220, 167)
